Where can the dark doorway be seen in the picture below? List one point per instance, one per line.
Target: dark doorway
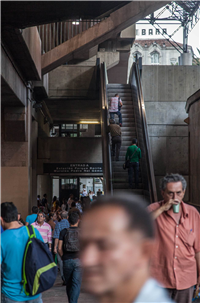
(69, 186)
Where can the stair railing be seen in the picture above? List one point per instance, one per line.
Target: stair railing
(142, 131)
(106, 152)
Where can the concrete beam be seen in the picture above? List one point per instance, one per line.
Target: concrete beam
(25, 50)
(117, 22)
(13, 91)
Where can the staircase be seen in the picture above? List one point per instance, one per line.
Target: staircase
(119, 175)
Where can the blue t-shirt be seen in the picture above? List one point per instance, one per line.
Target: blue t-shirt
(13, 243)
(1, 229)
(31, 218)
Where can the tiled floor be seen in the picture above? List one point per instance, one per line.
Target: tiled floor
(57, 294)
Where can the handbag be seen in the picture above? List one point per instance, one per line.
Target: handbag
(127, 163)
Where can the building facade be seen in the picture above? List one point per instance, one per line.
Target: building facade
(156, 52)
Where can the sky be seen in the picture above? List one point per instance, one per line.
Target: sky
(193, 38)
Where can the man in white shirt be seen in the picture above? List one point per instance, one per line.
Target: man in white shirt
(117, 239)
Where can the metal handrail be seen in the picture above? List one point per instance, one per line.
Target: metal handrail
(135, 80)
(107, 163)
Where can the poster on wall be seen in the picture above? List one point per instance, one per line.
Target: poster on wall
(73, 168)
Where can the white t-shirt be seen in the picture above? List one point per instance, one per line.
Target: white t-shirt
(84, 192)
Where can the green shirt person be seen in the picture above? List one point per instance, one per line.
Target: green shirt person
(134, 155)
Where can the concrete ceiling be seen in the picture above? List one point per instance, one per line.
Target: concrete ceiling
(73, 110)
(21, 14)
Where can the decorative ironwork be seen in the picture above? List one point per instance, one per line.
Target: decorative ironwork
(187, 13)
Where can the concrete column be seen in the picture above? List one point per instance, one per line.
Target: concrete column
(14, 177)
(34, 162)
(118, 74)
(185, 59)
(44, 186)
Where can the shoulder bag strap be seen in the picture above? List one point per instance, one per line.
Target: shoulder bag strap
(134, 153)
(31, 231)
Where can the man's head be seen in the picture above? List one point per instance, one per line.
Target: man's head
(173, 186)
(116, 239)
(34, 210)
(134, 141)
(117, 95)
(38, 196)
(45, 195)
(9, 213)
(112, 121)
(64, 214)
(73, 219)
(41, 218)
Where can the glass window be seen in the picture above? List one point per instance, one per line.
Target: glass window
(69, 126)
(83, 126)
(155, 58)
(69, 183)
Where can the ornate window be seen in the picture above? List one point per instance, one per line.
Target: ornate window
(155, 58)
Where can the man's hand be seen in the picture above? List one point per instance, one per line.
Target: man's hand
(169, 204)
(165, 207)
(55, 250)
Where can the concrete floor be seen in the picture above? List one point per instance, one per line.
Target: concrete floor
(57, 294)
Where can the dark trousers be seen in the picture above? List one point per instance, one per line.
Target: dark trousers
(73, 276)
(181, 296)
(116, 145)
(134, 167)
(118, 113)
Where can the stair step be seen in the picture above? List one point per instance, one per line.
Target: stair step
(128, 120)
(122, 175)
(128, 137)
(124, 185)
(136, 193)
(125, 96)
(117, 85)
(128, 115)
(118, 177)
(126, 124)
(128, 128)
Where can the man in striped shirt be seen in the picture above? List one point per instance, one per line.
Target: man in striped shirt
(114, 108)
(44, 229)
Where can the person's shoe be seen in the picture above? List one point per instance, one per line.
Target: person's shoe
(120, 124)
(64, 283)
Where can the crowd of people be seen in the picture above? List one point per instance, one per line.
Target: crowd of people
(119, 249)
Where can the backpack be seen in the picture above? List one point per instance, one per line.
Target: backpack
(39, 271)
(71, 240)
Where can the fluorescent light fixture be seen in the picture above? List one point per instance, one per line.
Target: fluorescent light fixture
(89, 122)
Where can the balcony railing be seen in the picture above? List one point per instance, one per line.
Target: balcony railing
(56, 33)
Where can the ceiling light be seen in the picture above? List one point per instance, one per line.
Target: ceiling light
(89, 122)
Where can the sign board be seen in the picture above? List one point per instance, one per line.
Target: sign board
(73, 168)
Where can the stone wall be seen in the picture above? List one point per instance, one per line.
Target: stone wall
(166, 89)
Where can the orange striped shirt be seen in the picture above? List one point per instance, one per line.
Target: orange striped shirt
(173, 261)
